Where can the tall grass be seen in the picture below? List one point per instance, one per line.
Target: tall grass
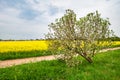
(106, 66)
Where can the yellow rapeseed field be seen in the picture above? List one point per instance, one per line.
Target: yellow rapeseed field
(6, 46)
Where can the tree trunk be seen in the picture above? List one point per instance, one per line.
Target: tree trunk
(84, 55)
(87, 58)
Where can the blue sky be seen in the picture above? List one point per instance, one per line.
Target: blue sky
(29, 19)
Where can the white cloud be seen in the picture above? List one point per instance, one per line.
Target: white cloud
(13, 27)
(11, 22)
(39, 5)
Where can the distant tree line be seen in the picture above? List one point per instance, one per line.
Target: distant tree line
(116, 38)
(22, 39)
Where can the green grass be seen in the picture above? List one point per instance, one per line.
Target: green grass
(23, 54)
(106, 66)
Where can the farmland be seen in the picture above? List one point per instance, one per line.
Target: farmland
(16, 46)
(9, 46)
(24, 49)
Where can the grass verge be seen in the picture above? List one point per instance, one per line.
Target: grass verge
(106, 66)
(23, 54)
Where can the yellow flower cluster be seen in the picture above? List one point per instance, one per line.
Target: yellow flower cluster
(116, 43)
(6, 46)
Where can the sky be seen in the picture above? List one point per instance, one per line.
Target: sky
(29, 19)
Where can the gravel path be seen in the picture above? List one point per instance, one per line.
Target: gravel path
(9, 63)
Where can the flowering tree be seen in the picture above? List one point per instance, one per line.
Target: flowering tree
(83, 37)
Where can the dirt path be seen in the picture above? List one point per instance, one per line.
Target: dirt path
(8, 63)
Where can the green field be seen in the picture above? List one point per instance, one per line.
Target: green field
(106, 66)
